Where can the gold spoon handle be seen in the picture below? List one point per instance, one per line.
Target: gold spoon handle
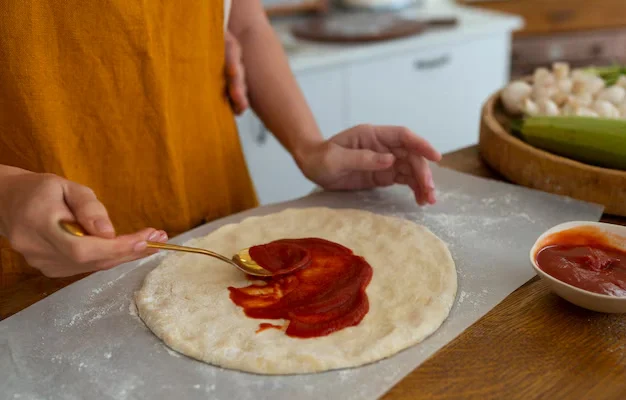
(77, 230)
(175, 247)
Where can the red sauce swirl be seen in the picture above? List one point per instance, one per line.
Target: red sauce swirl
(324, 294)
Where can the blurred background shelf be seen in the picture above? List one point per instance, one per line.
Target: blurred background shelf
(582, 32)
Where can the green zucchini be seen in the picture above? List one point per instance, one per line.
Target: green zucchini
(591, 140)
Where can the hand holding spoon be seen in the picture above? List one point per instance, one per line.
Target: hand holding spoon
(241, 260)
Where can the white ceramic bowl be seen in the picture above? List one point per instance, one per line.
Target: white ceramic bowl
(580, 297)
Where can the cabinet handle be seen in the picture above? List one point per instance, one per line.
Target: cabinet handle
(432, 63)
(261, 136)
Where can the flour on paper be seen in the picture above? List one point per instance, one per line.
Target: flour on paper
(185, 300)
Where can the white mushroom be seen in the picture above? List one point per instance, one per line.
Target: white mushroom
(560, 98)
(514, 95)
(530, 108)
(592, 86)
(581, 75)
(548, 108)
(543, 77)
(584, 99)
(544, 91)
(574, 108)
(561, 70)
(565, 85)
(596, 84)
(585, 112)
(605, 109)
(586, 82)
(613, 94)
(573, 102)
(563, 91)
(579, 86)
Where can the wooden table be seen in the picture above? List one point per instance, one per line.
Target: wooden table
(532, 345)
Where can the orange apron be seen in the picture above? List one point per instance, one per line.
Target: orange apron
(126, 97)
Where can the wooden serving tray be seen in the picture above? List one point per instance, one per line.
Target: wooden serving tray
(529, 166)
(365, 27)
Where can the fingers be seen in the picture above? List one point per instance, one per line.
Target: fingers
(45, 245)
(431, 197)
(415, 172)
(237, 94)
(399, 136)
(418, 165)
(88, 210)
(233, 54)
(102, 249)
(364, 160)
(87, 250)
(423, 183)
(157, 236)
(235, 74)
(92, 253)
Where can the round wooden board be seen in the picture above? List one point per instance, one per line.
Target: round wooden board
(529, 166)
(357, 28)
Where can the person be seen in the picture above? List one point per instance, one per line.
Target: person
(120, 115)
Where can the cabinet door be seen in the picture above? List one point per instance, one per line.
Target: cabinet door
(326, 95)
(275, 174)
(437, 93)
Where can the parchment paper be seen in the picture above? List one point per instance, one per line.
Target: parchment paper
(86, 341)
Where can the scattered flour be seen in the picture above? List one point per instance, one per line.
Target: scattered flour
(171, 352)
(488, 201)
(462, 296)
(92, 314)
(132, 310)
(345, 374)
(112, 282)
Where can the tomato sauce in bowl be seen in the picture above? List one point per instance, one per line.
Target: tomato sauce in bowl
(584, 263)
(595, 268)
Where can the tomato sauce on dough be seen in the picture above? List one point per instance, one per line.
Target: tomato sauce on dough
(323, 293)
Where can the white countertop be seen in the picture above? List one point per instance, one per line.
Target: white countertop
(304, 55)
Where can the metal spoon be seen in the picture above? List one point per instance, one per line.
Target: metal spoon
(241, 260)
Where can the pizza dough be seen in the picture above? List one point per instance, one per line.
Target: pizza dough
(185, 300)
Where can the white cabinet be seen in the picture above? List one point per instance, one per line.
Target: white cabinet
(325, 92)
(437, 93)
(275, 174)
